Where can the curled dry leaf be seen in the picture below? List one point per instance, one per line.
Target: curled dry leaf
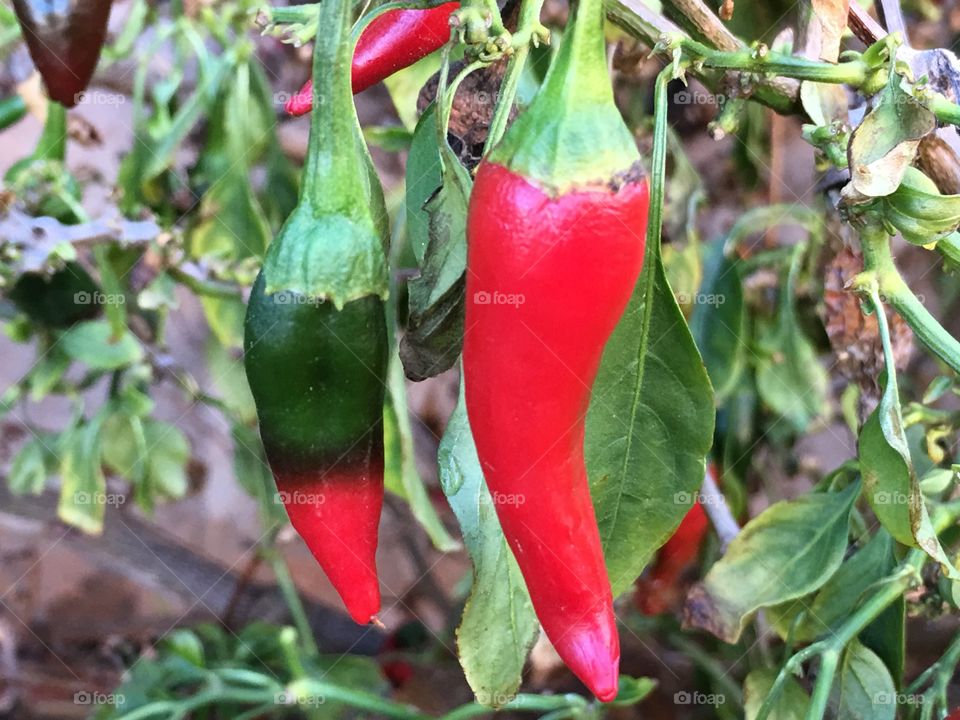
(854, 336)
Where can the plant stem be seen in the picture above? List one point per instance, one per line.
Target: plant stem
(878, 259)
(359, 699)
(292, 598)
(522, 703)
(946, 111)
(821, 690)
(527, 25)
(763, 60)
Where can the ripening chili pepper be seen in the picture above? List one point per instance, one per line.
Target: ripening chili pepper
(315, 343)
(394, 40)
(555, 234)
(64, 38)
(661, 588)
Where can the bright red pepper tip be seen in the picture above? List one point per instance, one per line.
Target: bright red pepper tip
(593, 658)
(338, 515)
(300, 103)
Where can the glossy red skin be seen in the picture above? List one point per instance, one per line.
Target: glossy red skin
(660, 590)
(64, 45)
(393, 41)
(337, 513)
(528, 370)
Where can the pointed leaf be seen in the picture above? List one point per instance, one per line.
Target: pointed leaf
(649, 427)
(498, 627)
(787, 551)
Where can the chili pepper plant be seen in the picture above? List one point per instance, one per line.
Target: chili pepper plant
(696, 446)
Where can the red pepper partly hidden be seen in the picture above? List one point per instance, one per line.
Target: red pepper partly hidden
(391, 42)
(64, 39)
(661, 588)
(315, 340)
(556, 235)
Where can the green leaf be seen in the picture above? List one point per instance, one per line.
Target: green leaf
(253, 474)
(160, 293)
(149, 453)
(404, 87)
(633, 690)
(840, 595)
(92, 344)
(791, 705)
(83, 489)
(719, 321)
(866, 690)
(227, 374)
(499, 626)
(225, 318)
(47, 372)
(790, 549)
(890, 479)
(423, 178)
(28, 469)
(790, 379)
(434, 334)
(390, 138)
(167, 460)
(400, 468)
(649, 427)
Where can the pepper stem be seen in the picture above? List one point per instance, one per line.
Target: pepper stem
(331, 161)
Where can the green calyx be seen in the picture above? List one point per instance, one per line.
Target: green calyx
(572, 135)
(333, 245)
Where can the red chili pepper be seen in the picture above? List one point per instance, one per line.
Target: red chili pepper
(391, 42)
(555, 232)
(64, 40)
(659, 590)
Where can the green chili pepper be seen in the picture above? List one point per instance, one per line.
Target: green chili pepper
(316, 337)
